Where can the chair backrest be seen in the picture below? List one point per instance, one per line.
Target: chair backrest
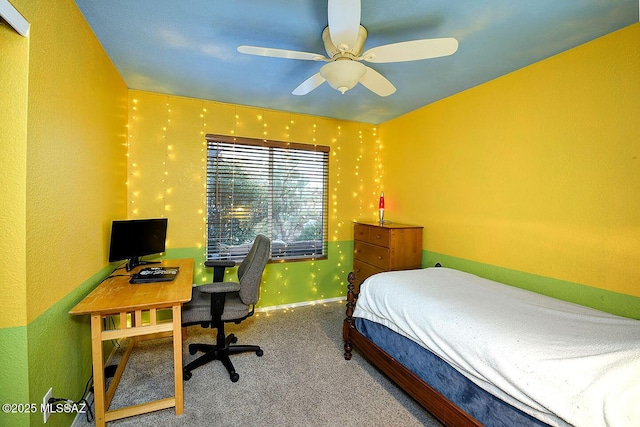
(251, 268)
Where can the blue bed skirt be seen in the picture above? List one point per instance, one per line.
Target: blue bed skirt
(481, 405)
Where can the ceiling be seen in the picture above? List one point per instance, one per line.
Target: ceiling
(188, 47)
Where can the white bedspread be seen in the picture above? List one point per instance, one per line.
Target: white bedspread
(562, 363)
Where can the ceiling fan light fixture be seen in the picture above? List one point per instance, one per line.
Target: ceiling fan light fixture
(343, 75)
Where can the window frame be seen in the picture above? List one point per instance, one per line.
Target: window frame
(279, 253)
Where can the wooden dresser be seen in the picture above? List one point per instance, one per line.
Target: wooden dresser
(388, 247)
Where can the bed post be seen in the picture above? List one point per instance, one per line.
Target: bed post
(349, 321)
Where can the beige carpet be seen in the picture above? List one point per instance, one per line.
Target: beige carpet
(302, 379)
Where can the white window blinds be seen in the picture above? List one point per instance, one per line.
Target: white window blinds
(274, 188)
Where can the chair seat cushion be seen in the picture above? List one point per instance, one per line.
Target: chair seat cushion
(198, 310)
(218, 287)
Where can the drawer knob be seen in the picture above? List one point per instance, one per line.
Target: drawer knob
(379, 257)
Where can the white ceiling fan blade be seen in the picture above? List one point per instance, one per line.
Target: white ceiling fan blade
(308, 85)
(344, 23)
(377, 83)
(412, 50)
(280, 53)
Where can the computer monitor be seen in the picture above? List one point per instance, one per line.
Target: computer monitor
(132, 239)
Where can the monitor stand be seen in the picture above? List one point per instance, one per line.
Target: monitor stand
(136, 261)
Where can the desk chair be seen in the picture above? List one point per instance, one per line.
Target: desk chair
(221, 302)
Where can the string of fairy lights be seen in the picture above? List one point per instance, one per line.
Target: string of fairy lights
(202, 211)
(356, 168)
(166, 207)
(377, 179)
(335, 219)
(131, 193)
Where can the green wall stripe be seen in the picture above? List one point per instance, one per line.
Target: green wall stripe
(54, 350)
(60, 351)
(289, 282)
(14, 373)
(612, 302)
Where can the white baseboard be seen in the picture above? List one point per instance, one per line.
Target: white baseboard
(300, 304)
(79, 419)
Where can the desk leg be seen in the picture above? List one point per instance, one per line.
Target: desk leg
(98, 370)
(177, 358)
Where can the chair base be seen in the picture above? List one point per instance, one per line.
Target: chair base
(221, 352)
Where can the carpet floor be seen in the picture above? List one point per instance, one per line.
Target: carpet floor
(301, 380)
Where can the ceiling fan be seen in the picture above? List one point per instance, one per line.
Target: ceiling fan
(344, 40)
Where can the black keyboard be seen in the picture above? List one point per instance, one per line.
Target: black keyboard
(154, 274)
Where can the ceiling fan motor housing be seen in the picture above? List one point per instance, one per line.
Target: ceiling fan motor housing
(351, 51)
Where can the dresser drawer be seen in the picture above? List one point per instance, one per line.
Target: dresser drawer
(363, 270)
(377, 256)
(379, 236)
(376, 235)
(361, 232)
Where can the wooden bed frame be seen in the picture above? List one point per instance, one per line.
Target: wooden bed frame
(434, 402)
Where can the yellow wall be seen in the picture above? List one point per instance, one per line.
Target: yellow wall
(76, 152)
(64, 118)
(537, 171)
(167, 170)
(167, 161)
(14, 69)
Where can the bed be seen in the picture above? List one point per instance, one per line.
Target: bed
(476, 352)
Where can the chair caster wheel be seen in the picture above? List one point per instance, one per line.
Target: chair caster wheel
(192, 351)
(234, 377)
(186, 375)
(259, 353)
(234, 339)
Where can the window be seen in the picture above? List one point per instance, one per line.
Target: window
(274, 188)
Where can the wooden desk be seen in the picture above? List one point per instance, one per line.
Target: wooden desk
(116, 297)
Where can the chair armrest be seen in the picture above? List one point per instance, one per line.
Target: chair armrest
(219, 267)
(219, 288)
(219, 263)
